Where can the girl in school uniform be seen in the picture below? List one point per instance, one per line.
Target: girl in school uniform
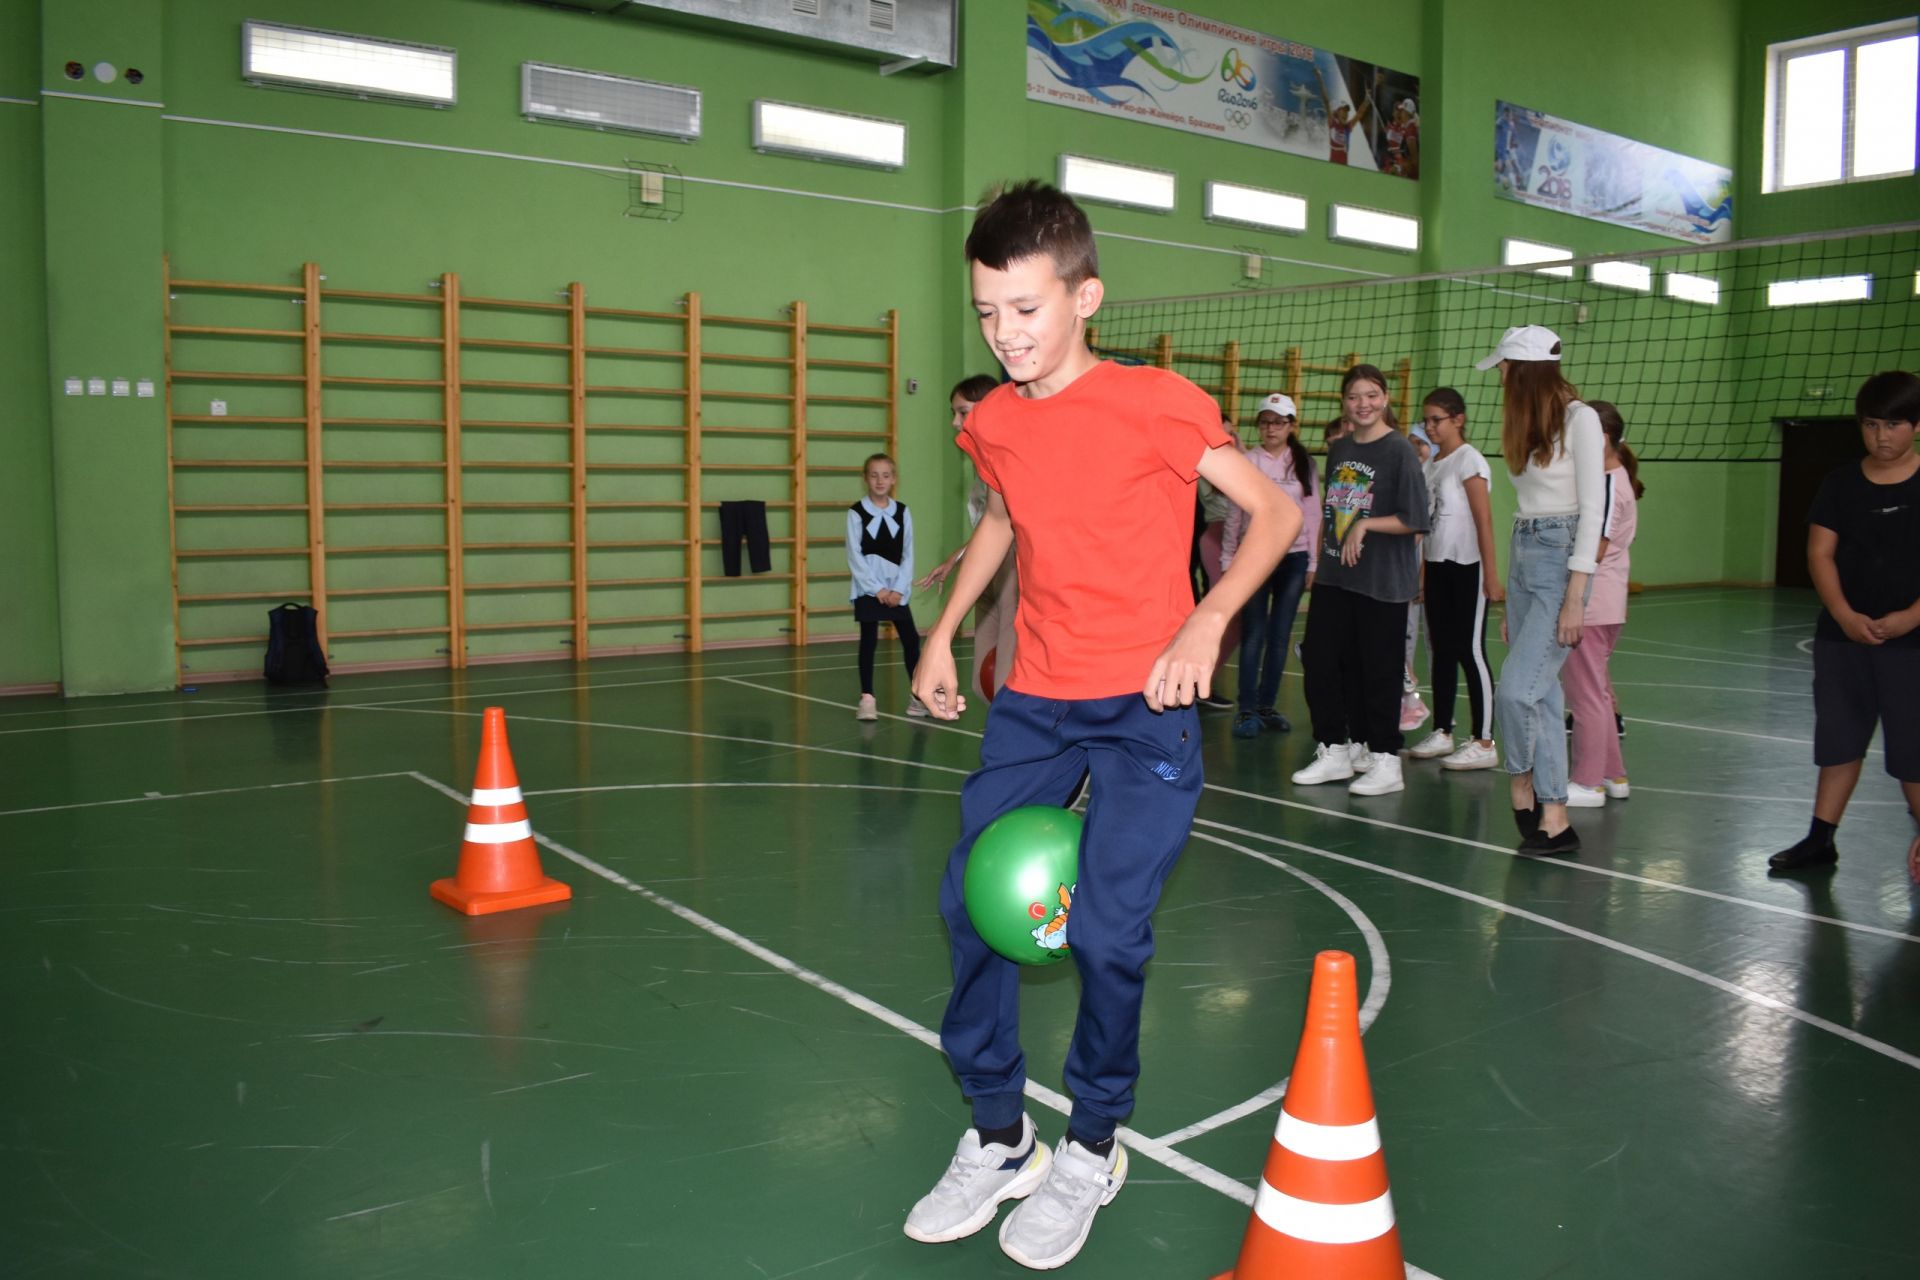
(1462, 579)
(1555, 452)
(880, 558)
(1598, 771)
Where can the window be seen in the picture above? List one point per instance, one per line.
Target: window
(1840, 107)
(338, 63)
(1523, 253)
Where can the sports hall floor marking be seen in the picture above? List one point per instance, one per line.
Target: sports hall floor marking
(1152, 1148)
(1612, 944)
(1713, 662)
(1797, 801)
(1379, 982)
(194, 795)
(1466, 841)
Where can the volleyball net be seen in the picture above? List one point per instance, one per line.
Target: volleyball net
(1704, 350)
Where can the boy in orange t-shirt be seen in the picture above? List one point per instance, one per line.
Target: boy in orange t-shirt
(1092, 464)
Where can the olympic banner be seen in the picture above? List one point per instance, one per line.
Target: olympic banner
(1143, 61)
(1552, 163)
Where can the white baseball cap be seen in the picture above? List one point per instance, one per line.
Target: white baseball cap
(1280, 404)
(1407, 105)
(1524, 342)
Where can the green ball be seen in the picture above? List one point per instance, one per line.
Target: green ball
(1020, 879)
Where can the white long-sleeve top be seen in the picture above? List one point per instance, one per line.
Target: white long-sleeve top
(874, 574)
(1573, 483)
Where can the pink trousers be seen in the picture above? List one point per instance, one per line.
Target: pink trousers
(1589, 693)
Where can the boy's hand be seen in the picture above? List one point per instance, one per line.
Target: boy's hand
(1184, 670)
(936, 683)
(1894, 625)
(1860, 628)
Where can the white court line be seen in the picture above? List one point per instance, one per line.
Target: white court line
(402, 702)
(1672, 966)
(178, 697)
(1714, 662)
(675, 733)
(1379, 981)
(1699, 648)
(1205, 1175)
(1733, 733)
(1802, 801)
(1710, 688)
(1785, 626)
(194, 795)
(1503, 850)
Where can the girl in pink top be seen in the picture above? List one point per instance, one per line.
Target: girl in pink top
(1266, 621)
(1598, 771)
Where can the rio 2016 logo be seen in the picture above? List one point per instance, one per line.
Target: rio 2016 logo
(1235, 70)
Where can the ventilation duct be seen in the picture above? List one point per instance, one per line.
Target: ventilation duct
(896, 33)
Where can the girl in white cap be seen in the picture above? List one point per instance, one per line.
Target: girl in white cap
(1266, 620)
(1556, 454)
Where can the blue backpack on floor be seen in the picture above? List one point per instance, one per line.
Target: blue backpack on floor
(294, 655)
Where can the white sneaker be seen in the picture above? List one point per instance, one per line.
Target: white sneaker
(1359, 757)
(1437, 743)
(917, 709)
(1616, 788)
(1330, 764)
(1472, 756)
(1579, 797)
(1413, 712)
(1048, 1229)
(1382, 777)
(868, 708)
(977, 1181)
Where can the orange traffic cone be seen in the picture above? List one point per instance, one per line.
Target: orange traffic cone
(499, 863)
(1323, 1210)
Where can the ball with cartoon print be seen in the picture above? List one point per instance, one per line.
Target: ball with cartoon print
(1019, 882)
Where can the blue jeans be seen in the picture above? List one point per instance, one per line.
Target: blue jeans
(1146, 783)
(1529, 705)
(1265, 624)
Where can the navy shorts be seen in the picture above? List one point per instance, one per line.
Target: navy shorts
(1857, 685)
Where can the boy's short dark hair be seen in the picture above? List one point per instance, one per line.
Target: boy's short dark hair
(974, 389)
(1893, 396)
(1032, 218)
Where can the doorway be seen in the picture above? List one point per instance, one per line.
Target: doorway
(1810, 448)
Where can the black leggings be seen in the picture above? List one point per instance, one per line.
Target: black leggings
(1457, 629)
(871, 613)
(1355, 654)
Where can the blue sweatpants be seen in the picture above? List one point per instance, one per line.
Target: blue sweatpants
(1146, 778)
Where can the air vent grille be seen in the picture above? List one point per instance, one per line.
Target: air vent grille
(880, 14)
(807, 8)
(596, 100)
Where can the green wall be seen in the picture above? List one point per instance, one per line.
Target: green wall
(242, 183)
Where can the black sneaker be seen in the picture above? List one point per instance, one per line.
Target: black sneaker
(1542, 845)
(1619, 725)
(1214, 702)
(1528, 820)
(1806, 855)
(1271, 719)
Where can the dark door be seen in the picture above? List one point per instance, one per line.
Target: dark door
(1810, 448)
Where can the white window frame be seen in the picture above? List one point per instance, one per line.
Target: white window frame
(1777, 57)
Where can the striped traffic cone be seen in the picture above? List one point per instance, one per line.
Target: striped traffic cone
(1323, 1210)
(499, 863)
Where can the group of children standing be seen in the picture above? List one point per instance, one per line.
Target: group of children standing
(1406, 520)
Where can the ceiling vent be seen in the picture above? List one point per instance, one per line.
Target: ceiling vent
(898, 33)
(596, 100)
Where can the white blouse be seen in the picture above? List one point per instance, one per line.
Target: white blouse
(1573, 483)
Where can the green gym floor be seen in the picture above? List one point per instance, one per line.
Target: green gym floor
(242, 1041)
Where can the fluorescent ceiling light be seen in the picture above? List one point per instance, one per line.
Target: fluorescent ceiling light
(276, 54)
(1355, 225)
(1691, 288)
(1800, 293)
(828, 135)
(1522, 253)
(1636, 276)
(1255, 207)
(1122, 184)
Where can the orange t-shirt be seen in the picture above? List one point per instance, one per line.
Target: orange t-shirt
(1099, 481)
